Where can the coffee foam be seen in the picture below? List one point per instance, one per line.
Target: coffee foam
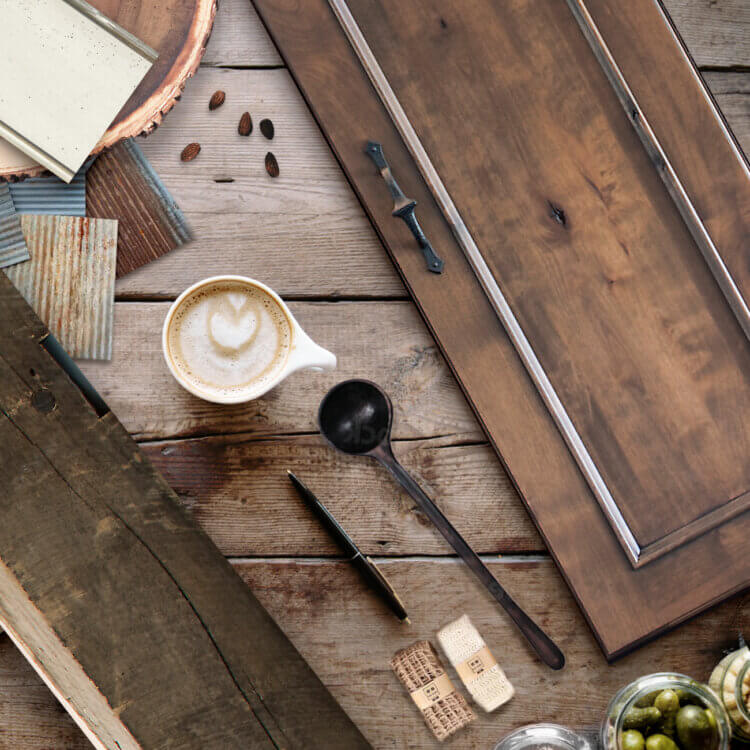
(229, 339)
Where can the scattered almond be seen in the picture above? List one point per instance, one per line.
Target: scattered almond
(266, 127)
(246, 124)
(190, 151)
(272, 166)
(217, 99)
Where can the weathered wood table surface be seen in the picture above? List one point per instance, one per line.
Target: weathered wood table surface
(306, 235)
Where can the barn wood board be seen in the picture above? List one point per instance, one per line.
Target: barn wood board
(523, 126)
(179, 31)
(117, 599)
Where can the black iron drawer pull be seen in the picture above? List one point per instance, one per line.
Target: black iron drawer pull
(403, 207)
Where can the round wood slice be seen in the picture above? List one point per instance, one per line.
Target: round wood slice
(178, 30)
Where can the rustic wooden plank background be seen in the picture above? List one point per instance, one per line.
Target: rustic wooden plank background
(305, 235)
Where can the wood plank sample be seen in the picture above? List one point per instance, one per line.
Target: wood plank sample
(122, 185)
(70, 280)
(595, 260)
(123, 606)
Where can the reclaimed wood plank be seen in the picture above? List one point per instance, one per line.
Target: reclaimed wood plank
(239, 38)
(717, 32)
(328, 613)
(303, 233)
(384, 341)
(153, 658)
(30, 716)
(237, 489)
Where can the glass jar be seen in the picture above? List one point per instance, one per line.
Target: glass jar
(731, 681)
(690, 691)
(547, 736)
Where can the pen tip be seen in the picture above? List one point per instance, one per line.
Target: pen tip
(406, 620)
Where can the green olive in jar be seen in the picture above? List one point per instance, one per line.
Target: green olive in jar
(632, 739)
(694, 728)
(660, 742)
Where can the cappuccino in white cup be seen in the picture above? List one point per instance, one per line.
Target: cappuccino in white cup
(230, 339)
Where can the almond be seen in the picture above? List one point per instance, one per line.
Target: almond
(246, 124)
(217, 100)
(266, 127)
(272, 166)
(190, 151)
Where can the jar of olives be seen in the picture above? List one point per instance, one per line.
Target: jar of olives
(666, 711)
(731, 681)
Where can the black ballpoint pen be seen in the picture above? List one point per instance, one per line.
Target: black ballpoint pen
(366, 567)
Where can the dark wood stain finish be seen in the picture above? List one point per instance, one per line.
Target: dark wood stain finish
(599, 268)
(138, 596)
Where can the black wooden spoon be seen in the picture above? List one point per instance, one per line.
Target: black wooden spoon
(356, 417)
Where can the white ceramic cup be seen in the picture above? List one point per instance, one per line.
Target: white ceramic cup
(303, 354)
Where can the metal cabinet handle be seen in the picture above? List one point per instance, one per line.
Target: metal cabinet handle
(403, 207)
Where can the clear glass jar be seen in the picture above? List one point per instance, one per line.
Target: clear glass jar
(625, 699)
(548, 736)
(731, 682)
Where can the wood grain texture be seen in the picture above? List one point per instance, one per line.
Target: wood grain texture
(310, 215)
(303, 234)
(384, 341)
(154, 658)
(236, 488)
(589, 138)
(328, 613)
(716, 31)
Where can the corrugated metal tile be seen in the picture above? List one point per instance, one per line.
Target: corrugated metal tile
(12, 244)
(70, 280)
(50, 195)
(123, 185)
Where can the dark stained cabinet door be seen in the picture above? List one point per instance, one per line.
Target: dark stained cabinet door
(602, 272)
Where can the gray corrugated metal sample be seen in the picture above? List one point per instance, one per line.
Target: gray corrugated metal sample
(50, 195)
(123, 185)
(12, 244)
(70, 280)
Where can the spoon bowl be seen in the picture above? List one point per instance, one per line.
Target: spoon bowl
(356, 416)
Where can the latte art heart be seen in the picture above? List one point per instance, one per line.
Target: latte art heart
(230, 329)
(228, 338)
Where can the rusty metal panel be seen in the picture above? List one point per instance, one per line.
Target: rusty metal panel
(12, 244)
(123, 185)
(70, 280)
(50, 195)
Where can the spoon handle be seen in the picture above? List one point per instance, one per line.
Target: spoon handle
(548, 652)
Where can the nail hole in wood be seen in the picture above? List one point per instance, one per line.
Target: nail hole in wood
(443, 24)
(43, 401)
